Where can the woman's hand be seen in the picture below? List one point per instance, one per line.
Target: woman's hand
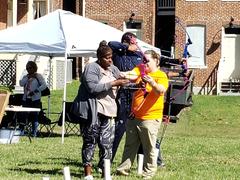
(149, 80)
(141, 85)
(120, 82)
(158, 88)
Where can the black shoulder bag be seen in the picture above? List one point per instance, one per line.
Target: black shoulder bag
(46, 91)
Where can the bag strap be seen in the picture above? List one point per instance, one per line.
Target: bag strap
(38, 81)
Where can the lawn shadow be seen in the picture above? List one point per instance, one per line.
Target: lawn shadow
(49, 135)
(24, 167)
(52, 135)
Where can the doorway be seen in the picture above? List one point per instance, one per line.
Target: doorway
(69, 5)
(165, 33)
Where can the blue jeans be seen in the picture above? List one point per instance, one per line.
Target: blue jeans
(33, 116)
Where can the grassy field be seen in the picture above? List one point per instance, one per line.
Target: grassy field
(203, 144)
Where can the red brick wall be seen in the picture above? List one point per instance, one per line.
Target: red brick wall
(115, 12)
(213, 14)
(23, 8)
(57, 4)
(3, 14)
(22, 13)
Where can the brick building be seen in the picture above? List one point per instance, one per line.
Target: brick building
(211, 17)
(163, 23)
(15, 12)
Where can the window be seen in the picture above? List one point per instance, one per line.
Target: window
(133, 27)
(39, 8)
(196, 50)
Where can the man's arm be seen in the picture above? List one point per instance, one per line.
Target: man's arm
(118, 47)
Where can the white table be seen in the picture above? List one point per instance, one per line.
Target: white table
(17, 109)
(21, 109)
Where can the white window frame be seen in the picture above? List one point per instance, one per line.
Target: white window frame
(197, 49)
(37, 6)
(137, 32)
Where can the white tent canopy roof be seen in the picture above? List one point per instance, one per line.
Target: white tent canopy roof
(58, 33)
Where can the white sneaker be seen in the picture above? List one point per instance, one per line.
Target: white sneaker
(89, 177)
(122, 172)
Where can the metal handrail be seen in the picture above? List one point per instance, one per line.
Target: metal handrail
(210, 83)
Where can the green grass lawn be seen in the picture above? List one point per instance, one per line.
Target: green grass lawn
(203, 144)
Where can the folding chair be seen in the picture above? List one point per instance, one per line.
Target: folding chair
(46, 126)
(15, 119)
(8, 117)
(72, 123)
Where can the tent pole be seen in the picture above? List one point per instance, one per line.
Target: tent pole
(49, 82)
(64, 97)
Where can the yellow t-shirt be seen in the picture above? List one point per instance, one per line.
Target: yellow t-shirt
(150, 107)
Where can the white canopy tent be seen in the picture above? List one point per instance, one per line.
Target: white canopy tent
(60, 34)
